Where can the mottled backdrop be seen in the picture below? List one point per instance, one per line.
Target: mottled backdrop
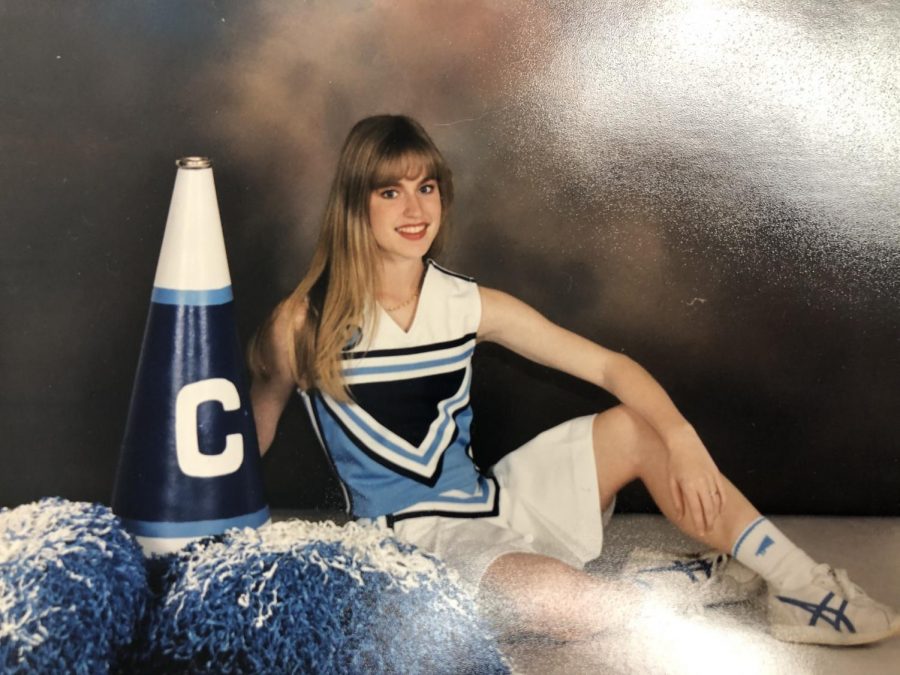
(709, 186)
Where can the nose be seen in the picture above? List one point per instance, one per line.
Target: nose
(412, 207)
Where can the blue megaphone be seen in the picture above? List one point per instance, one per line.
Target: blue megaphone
(189, 465)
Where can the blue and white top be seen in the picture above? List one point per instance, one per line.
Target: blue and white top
(401, 447)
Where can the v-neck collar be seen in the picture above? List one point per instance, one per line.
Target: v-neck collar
(416, 311)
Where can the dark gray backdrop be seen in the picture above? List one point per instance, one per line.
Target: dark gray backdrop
(710, 187)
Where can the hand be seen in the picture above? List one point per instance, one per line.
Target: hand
(695, 482)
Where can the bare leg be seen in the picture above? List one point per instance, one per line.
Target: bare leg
(539, 594)
(626, 448)
(547, 596)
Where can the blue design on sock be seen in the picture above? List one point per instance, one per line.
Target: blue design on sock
(744, 535)
(823, 611)
(764, 545)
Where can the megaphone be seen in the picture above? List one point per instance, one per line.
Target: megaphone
(189, 464)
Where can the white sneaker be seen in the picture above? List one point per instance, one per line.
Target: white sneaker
(710, 578)
(830, 610)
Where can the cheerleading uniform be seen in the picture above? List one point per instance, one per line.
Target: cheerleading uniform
(401, 445)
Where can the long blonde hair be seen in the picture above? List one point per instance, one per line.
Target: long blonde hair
(339, 286)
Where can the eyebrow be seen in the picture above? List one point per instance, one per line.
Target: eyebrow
(396, 182)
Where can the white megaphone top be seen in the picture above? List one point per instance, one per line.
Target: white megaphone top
(193, 266)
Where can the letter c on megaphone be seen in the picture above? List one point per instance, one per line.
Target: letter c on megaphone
(191, 460)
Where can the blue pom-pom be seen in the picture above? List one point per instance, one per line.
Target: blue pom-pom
(304, 597)
(73, 588)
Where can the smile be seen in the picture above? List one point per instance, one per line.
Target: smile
(414, 231)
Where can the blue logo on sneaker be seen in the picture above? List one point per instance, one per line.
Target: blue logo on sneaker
(692, 568)
(833, 617)
(764, 545)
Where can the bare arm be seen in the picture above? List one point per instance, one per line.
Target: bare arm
(694, 477)
(270, 391)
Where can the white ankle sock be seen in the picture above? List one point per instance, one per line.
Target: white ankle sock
(764, 549)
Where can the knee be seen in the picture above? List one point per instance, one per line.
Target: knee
(534, 593)
(629, 436)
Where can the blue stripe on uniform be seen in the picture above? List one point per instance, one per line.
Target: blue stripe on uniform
(372, 370)
(196, 528)
(174, 296)
(483, 498)
(426, 457)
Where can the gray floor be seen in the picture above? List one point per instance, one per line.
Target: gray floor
(733, 640)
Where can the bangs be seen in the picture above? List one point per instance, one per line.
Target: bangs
(407, 164)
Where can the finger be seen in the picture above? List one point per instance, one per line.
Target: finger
(720, 486)
(719, 502)
(707, 503)
(675, 489)
(696, 511)
(715, 504)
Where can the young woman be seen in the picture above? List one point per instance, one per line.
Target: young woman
(379, 338)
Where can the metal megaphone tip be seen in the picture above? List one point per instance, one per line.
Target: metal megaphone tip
(193, 163)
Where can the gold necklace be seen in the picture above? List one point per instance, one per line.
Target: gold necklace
(402, 304)
(410, 299)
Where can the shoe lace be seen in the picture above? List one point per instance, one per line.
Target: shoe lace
(718, 563)
(839, 578)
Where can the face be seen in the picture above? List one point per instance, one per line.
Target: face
(405, 217)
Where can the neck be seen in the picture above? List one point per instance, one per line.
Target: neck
(398, 280)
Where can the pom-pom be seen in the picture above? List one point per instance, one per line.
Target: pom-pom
(73, 587)
(309, 597)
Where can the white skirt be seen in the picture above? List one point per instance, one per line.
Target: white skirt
(549, 505)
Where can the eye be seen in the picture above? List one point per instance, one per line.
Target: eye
(389, 193)
(428, 188)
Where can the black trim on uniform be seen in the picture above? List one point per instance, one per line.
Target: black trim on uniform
(392, 518)
(403, 351)
(431, 262)
(430, 481)
(409, 407)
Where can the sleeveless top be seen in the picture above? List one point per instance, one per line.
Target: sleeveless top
(400, 447)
